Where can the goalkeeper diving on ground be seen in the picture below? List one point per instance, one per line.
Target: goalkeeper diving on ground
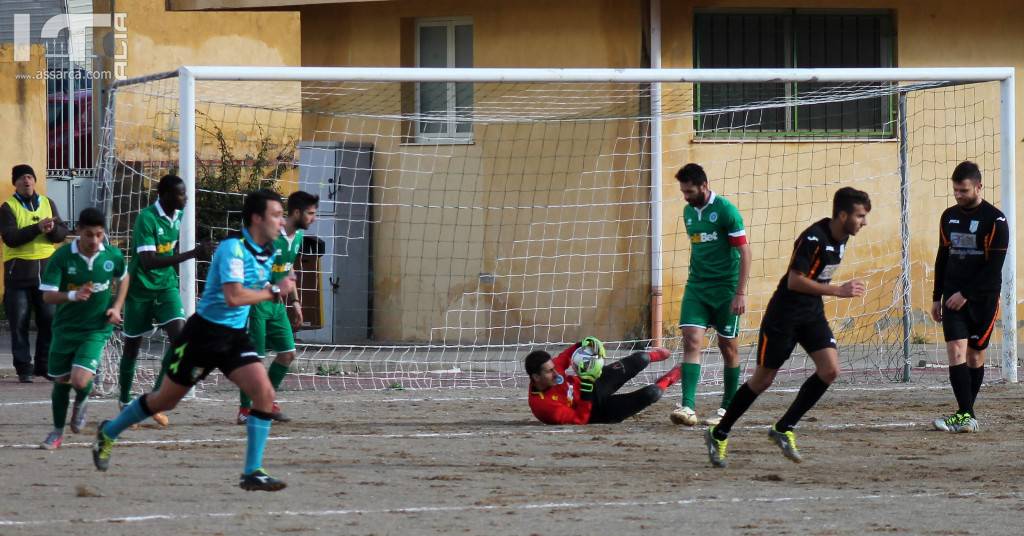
(576, 387)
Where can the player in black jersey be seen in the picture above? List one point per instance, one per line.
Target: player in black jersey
(796, 314)
(973, 236)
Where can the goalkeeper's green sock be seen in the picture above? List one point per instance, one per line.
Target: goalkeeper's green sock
(691, 375)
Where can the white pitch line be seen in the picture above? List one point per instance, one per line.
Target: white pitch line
(524, 430)
(477, 508)
(414, 435)
(498, 398)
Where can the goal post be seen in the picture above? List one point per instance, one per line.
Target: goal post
(615, 118)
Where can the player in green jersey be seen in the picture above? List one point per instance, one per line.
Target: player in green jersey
(80, 279)
(154, 297)
(716, 288)
(269, 325)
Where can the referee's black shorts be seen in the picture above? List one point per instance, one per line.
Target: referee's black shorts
(781, 331)
(203, 346)
(974, 321)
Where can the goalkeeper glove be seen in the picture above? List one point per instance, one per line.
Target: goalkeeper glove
(596, 347)
(589, 371)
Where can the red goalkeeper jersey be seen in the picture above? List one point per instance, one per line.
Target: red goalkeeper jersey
(561, 404)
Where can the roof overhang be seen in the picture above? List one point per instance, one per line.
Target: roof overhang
(236, 5)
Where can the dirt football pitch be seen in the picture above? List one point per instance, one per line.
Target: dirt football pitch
(474, 461)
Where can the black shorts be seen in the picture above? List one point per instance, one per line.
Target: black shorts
(781, 332)
(974, 321)
(204, 346)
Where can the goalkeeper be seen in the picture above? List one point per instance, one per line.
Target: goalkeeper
(577, 388)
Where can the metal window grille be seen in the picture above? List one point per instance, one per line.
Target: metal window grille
(787, 39)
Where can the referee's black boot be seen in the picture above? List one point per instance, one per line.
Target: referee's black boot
(259, 480)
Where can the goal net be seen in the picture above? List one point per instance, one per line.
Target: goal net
(464, 222)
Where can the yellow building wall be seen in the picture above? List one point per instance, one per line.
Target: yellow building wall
(146, 115)
(428, 253)
(159, 40)
(23, 109)
(421, 295)
(777, 203)
(929, 34)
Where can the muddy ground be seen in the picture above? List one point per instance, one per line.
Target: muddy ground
(473, 461)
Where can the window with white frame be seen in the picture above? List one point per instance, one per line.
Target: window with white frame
(443, 107)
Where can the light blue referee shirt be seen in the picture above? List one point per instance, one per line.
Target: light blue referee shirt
(235, 261)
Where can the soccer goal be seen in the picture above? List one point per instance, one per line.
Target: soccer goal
(468, 216)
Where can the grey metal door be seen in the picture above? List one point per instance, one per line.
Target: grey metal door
(341, 174)
(353, 298)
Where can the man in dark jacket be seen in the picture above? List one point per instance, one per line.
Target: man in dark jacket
(30, 226)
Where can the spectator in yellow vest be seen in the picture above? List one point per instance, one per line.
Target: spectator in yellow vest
(29, 226)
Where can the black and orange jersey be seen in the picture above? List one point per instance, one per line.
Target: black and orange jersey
(972, 248)
(816, 254)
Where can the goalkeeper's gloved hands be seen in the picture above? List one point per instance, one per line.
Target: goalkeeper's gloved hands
(589, 371)
(596, 346)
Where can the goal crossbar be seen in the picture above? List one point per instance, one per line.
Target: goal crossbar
(189, 75)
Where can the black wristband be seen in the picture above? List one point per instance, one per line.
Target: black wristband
(586, 390)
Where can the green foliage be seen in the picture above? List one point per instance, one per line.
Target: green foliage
(324, 369)
(221, 184)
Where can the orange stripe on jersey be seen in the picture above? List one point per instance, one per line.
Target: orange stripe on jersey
(988, 241)
(816, 264)
(764, 348)
(945, 240)
(792, 256)
(988, 332)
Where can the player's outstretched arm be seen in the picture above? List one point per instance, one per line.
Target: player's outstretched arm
(149, 260)
(798, 282)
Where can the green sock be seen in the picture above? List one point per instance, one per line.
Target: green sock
(691, 375)
(244, 400)
(81, 395)
(732, 383)
(277, 372)
(125, 378)
(164, 364)
(59, 398)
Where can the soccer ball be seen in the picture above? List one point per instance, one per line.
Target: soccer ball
(582, 358)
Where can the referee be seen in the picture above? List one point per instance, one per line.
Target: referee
(215, 337)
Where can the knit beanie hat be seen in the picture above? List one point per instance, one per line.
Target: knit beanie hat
(21, 169)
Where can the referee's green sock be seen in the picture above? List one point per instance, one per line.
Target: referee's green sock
(691, 376)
